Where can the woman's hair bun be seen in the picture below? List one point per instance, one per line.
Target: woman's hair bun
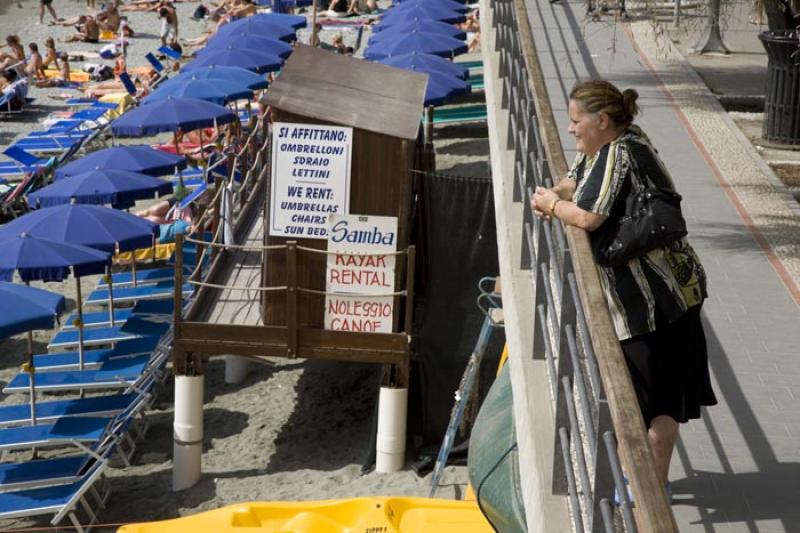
(629, 97)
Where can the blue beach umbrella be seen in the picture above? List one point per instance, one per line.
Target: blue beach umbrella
(282, 19)
(218, 92)
(426, 43)
(453, 5)
(247, 58)
(48, 260)
(135, 158)
(424, 11)
(33, 258)
(171, 114)
(25, 308)
(426, 63)
(101, 228)
(249, 79)
(96, 227)
(276, 47)
(100, 186)
(250, 26)
(381, 30)
(442, 87)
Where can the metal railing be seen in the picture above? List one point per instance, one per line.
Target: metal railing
(594, 405)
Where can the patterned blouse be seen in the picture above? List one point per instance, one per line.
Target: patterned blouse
(669, 279)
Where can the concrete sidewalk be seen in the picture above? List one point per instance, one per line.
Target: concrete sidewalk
(737, 469)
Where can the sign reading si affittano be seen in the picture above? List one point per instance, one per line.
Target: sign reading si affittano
(310, 178)
(355, 278)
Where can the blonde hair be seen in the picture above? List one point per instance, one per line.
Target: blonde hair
(600, 96)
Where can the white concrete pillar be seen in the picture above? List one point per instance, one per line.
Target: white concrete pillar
(187, 448)
(391, 442)
(236, 368)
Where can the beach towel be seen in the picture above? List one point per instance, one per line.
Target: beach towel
(75, 76)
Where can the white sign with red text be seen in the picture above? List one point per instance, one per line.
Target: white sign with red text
(310, 178)
(354, 278)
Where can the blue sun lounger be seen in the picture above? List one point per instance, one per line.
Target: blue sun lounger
(23, 163)
(161, 290)
(62, 432)
(61, 500)
(133, 328)
(152, 309)
(93, 359)
(113, 374)
(143, 277)
(98, 318)
(95, 406)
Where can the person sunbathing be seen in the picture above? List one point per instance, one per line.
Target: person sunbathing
(171, 222)
(50, 53)
(88, 31)
(63, 79)
(109, 19)
(216, 22)
(35, 68)
(141, 82)
(16, 54)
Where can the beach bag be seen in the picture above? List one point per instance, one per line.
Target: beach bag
(652, 219)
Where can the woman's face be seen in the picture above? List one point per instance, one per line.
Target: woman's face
(589, 129)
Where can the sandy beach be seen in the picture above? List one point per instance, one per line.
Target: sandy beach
(294, 430)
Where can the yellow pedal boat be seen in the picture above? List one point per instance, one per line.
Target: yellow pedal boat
(356, 515)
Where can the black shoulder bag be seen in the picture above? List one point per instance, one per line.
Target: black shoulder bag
(652, 219)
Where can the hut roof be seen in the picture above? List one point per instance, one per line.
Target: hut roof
(350, 92)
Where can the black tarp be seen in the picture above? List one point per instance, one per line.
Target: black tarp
(459, 241)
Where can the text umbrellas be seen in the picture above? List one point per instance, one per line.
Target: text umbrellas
(252, 41)
(172, 114)
(219, 92)
(426, 43)
(136, 158)
(246, 58)
(423, 11)
(426, 63)
(100, 186)
(261, 27)
(34, 258)
(25, 308)
(249, 79)
(424, 25)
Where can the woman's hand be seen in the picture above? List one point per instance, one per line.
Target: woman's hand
(542, 200)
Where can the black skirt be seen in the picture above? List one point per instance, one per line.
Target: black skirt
(669, 368)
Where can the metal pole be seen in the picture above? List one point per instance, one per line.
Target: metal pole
(711, 40)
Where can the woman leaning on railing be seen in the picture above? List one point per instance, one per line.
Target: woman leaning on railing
(652, 280)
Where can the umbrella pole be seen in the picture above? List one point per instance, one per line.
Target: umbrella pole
(110, 284)
(31, 383)
(79, 299)
(30, 370)
(133, 268)
(313, 41)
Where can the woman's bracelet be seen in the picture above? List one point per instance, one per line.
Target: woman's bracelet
(553, 207)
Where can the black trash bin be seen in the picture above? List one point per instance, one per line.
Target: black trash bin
(782, 103)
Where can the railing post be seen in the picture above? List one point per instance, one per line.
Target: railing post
(178, 357)
(291, 299)
(411, 254)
